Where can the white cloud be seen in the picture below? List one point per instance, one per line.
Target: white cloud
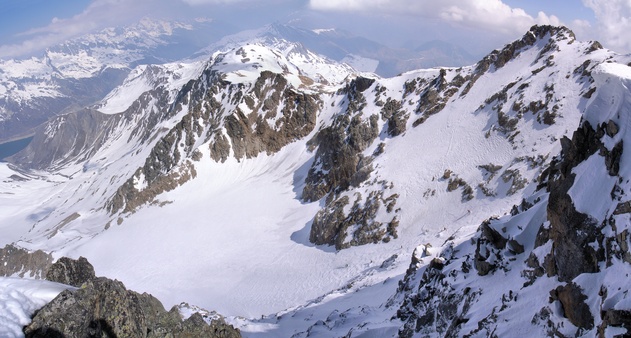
(211, 2)
(482, 14)
(231, 2)
(613, 22)
(99, 14)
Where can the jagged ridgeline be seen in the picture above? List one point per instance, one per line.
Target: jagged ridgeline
(234, 106)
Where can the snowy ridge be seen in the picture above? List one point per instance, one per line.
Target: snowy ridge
(236, 171)
(241, 65)
(169, 77)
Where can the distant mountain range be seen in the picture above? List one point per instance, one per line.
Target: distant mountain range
(82, 71)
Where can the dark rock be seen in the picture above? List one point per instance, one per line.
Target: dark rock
(20, 261)
(105, 308)
(71, 272)
(492, 236)
(611, 129)
(247, 135)
(487, 248)
(535, 270)
(543, 236)
(220, 148)
(361, 83)
(573, 302)
(594, 47)
(397, 119)
(330, 224)
(615, 318)
(435, 307)
(437, 264)
(623, 208)
(515, 246)
(570, 230)
(612, 158)
(338, 155)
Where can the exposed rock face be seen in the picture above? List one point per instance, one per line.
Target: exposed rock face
(71, 272)
(105, 308)
(395, 116)
(246, 134)
(570, 230)
(76, 136)
(331, 225)
(340, 166)
(488, 249)
(271, 98)
(435, 308)
(21, 262)
(338, 159)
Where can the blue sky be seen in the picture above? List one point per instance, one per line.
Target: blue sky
(18, 16)
(29, 26)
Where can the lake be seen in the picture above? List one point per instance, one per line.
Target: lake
(10, 148)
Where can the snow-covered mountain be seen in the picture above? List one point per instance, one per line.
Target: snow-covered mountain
(359, 52)
(81, 71)
(290, 192)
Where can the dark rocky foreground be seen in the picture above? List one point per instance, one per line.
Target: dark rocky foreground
(102, 307)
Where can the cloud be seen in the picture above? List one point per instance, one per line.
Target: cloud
(613, 22)
(211, 2)
(491, 15)
(99, 14)
(259, 3)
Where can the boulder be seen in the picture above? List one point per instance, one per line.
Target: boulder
(573, 302)
(71, 272)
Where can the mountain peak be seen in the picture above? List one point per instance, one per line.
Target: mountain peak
(556, 32)
(245, 62)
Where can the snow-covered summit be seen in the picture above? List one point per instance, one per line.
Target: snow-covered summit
(299, 65)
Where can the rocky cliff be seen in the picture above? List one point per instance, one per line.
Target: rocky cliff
(102, 307)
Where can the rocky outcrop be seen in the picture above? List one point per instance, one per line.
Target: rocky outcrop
(332, 226)
(338, 160)
(20, 262)
(395, 116)
(339, 167)
(435, 308)
(102, 307)
(435, 95)
(571, 231)
(572, 300)
(71, 272)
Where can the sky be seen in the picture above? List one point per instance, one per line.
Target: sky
(29, 26)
